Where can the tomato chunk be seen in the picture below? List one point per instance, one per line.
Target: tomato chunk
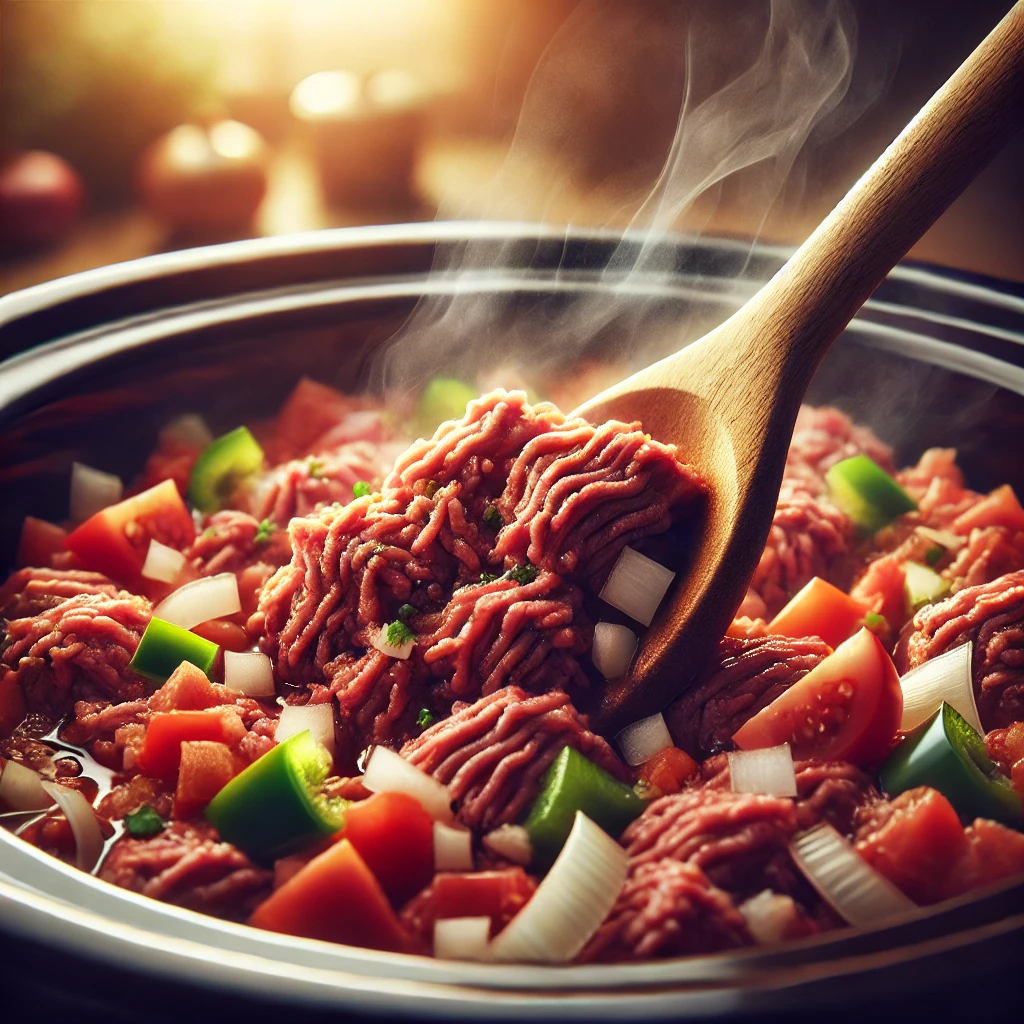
(166, 731)
(1000, 508)
(188, 689)
(39, 542)
(207, 766)
(116, 539)
(847, 708)
(668, 769)
(819, 609)
(395, 837)
(335, 898)
(12, 702)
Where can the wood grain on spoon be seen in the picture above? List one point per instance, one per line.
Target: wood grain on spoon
(729, 401)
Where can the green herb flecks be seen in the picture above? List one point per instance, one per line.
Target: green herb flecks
(315, 468)
(492, 517)
(431, 489)
(264, 532)
(426, 718)
(876, 623)
(487, 577)
(144, 822)
(934, 555)
(399, 633)
(406, 612)
(361, 489)
(523, 574)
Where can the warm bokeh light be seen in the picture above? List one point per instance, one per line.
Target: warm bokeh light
(325, 94)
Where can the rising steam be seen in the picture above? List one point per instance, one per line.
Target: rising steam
(638, 117)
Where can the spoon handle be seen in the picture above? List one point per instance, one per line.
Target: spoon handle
(815, 295)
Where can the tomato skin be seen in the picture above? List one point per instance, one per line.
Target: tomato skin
(116, 539)
(819, 609)
(855, 693)
(165, 733)
(207, 766)
(39, 542)
(668, 769)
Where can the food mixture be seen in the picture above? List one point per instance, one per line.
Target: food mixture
(308, 677)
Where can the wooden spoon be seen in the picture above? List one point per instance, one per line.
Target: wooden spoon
(729, 400)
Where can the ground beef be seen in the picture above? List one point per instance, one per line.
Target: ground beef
(186, 864)
(509, 484)
(992, 616)
(228, 543)
(747, 675)
(131, 794)
(990, 552)
(493, 754)
(667, 908)
(30, 591)
(79, 648)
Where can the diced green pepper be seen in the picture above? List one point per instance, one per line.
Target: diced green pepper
(144, 822)
(866, 493)
(164, 647)
(220, 466)
(922, 586)
(275, 806)
(444, 398)
(361, 489)
(948, 755)
(573, 784)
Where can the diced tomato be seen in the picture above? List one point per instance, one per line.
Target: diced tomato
(189, 689)
(39, 542)
(310, 411)
(335, 898)
(116, 539)
(847, 708)
(250, 582)
(499, 895)
(819, 609)
(166, 731)
(206, 768)
(993, 852)
(12, 702)
(668, 769)
(1000, 508)
(395, 837)
(882, 589)
(917, 845)
(225, 634)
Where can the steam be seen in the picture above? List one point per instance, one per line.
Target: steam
(642, 117)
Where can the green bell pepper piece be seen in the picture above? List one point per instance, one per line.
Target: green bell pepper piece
(866, 493)
(575, 784)
(221, 464)
(164, 647)
(444, 398)
(948, 755)
(275, 806)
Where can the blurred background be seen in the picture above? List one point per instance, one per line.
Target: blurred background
(139, 126)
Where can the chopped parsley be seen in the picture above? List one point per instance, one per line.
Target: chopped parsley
(379, 549)
(875, 622)
(934, 555)
(524, 573)
(144, 822)
(263, 532)
(492, 517)
(425, 718)
(406, 612)
(315, 468)
(399, 633)
(487, 577)
(210, 532)
(431, 489)
(361, 489)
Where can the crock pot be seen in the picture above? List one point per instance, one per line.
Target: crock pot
(95, 364)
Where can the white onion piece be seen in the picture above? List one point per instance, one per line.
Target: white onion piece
(190, 430)
(945, 678)
(91, 491)
(640, 741)
(317, 718)
(462, 938)
(768, 770)
(249, 672)
(212, 597)
(570, 903)
(636, 585)
(84, 825)
(945, 539)
(162, 563)
(21, 789)
(854, 889)
(511, 842)
(613, 649)
(402, 651)
(388, 772)
(453, 848)
(769, 915)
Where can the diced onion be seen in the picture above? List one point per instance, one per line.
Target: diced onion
(570, 903)
(945, 678)
(769, 915)
(453, 848)
(950, 541)
(84, 825)
(91, 491)
(190, 430)
(855, 890)
(613, 649)
(21, 789)
(636, 585)
(317, 718)
(251, 673)
(511, 842)
(462, 938)
(768, 770)
(212, 597)
(402, 651)
(642, 740)
(162, 563)
(388, 772)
